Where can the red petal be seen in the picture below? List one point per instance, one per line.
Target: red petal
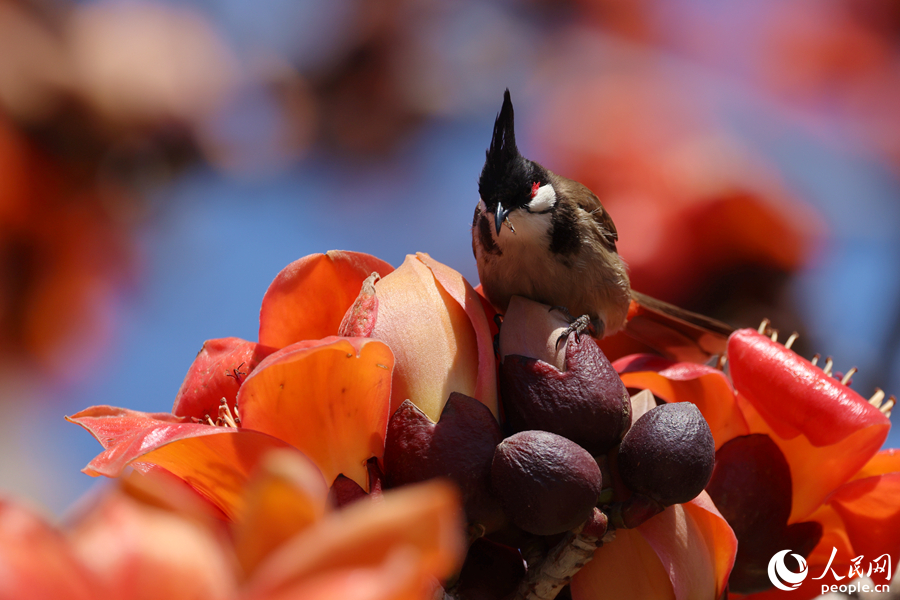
(37, 561)
(215, 461)
(329, 398)
(826, 431)
(360, 318)
(217, 373)
(816, 471)
(706, 387)
(309, 298)
(796, 397)
(110, 424)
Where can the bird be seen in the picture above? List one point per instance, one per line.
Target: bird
(548, 238)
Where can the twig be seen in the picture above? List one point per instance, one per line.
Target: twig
(546, 578)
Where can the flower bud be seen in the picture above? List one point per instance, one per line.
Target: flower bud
(546, 483)
(459, 446)
(668, 454)
(580, 398)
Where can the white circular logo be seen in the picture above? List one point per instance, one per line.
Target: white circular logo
(778, 572)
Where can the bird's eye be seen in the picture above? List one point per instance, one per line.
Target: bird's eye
(534, 188)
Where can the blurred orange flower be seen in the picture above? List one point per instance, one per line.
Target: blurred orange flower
(690, 201)
(147, 539)
(796, 445)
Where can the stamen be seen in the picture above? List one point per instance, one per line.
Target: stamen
(846, 379)
(720, 363)
(815, 359)
(828, 364)
(887, 406)
(774, 335)
(237, 416)
(208, 420)
(877, 397)
(225, 417)
(790, 341)
(763, 326)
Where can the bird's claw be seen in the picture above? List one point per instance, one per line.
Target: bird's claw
(576, 326)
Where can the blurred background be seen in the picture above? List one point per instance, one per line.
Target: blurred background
(161, 162)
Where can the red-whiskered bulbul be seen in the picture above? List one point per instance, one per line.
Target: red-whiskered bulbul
(539, 235)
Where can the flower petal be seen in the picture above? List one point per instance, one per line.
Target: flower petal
(832, 465)
(309, 297)
(425, 517)
(286, 495)
(328, 398)
(795, 397)
(141, 552)
(871, 514)
(217, 373)
(706, 387)
(439, 347)
(37, 562)
(110, 424)
(399, 577)
(695, 545)
(215, 461)
(886, 461)
(624, 569)
(456, 285)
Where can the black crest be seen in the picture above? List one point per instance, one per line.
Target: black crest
(507, 176)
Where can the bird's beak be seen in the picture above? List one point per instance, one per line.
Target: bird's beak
(500, 216)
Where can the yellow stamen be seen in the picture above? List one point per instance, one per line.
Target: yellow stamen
(815, 359)
(790, 341)
(225, 417)
(720, 363)
(774, 335)
(828, 364)
(887, 406)
(763, 326)
(209, 421)
(877, 397)
(848, 375)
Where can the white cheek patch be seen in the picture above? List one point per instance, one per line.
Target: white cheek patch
(543, 200)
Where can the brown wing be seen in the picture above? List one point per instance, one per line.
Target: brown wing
(675, 332)
(588, 201)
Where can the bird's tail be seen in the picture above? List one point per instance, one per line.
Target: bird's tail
(675, 332)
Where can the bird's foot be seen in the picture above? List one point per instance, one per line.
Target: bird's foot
(576, 325)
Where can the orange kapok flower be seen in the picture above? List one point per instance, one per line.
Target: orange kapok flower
(146, 538)
(426, 312)
(326, 398)
(798, 461)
